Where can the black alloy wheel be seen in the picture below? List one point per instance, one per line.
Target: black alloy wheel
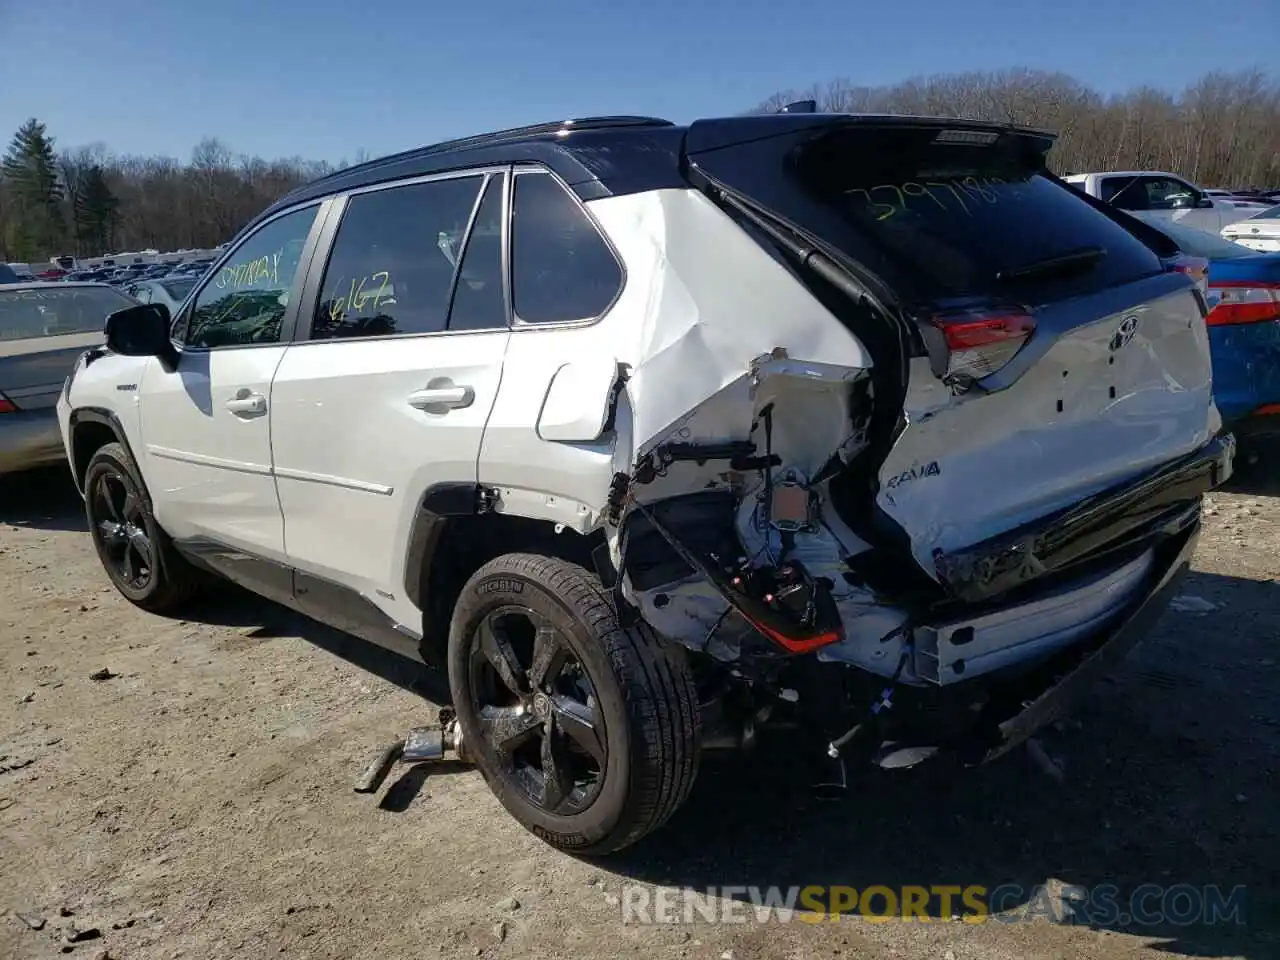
(136, 553)
(120, 530)
(538, 710)
(586, 731)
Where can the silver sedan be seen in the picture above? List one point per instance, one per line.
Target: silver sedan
(44, 328)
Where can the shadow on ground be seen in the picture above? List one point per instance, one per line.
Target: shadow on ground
(44, 499)
(1170, 779)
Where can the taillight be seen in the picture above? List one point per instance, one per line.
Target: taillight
(968, 344)
(1243, 301)
(6, 405)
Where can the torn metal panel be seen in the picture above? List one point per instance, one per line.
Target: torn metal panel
(701, 328)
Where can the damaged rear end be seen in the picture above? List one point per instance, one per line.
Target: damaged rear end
(934, 544)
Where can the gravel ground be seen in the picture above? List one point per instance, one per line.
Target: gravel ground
(197, 800)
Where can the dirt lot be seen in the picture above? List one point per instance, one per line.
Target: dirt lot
(198, 802)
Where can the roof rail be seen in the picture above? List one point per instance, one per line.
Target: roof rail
(541, 129)
(498, 136)
(800, 106)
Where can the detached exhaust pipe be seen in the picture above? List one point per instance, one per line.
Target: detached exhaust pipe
(420, 745)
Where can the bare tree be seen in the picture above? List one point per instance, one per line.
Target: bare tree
(1222, 130)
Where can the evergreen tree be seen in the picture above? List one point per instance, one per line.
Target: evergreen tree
(95, 210)
(30, 172)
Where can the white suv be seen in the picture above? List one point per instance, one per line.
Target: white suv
(652, 434)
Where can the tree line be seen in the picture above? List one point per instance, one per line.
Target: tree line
(88, 201)
(1223, 130)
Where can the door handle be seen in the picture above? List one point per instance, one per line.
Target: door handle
(246, 404)
(442, 398)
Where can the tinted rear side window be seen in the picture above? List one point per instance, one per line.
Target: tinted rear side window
(953, 217)
(561, 268)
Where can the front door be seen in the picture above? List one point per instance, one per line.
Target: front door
(390, 393)
(205, 424)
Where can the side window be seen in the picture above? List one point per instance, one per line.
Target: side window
(1164, 193)
(245, 301)
(393, 261)
(561, 268)
(142, 293)
(478, 300)
(1127, 193)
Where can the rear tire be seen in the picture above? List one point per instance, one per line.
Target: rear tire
(588, 733)
(137, 555)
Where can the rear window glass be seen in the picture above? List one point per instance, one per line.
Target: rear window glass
(53, 312)
(952, 218)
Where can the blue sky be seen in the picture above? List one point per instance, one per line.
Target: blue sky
(325, 78)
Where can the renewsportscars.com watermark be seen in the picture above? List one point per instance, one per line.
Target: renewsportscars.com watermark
(1103, 905)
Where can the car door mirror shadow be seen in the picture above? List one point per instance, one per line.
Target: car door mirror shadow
(194, 373)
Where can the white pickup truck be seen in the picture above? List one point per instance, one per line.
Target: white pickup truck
(1156, 196)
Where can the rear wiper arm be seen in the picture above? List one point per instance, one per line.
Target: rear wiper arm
(1082, 258)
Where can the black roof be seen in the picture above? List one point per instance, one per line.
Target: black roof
(595, 156)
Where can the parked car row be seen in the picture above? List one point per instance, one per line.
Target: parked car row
(138, 272)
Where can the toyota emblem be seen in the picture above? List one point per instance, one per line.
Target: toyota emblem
(1127, 330)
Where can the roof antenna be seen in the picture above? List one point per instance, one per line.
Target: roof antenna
(801, 106)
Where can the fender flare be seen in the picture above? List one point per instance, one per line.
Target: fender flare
(105, 417)
(438, 504)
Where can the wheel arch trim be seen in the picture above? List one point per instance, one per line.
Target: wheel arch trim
(103, 417)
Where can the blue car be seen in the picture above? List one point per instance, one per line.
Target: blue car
(1244, 331)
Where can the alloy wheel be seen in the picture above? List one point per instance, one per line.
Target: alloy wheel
(538, 711)
(120, 528)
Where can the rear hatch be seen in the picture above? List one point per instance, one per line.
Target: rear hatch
(1052, 355)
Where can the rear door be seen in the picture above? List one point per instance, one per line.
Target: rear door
(388, 394)
(1056, 356)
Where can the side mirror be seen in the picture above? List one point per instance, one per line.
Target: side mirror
(141, 331)
(1204, 203)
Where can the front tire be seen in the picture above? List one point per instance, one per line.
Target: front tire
(137, 555)
(585, 731)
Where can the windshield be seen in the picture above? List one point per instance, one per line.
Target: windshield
(54, 311)
(1201, 243)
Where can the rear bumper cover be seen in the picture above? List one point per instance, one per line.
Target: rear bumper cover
(1068, 677)
(1124, 514)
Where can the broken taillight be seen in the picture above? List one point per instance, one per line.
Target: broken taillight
(6, 405)
(1243, 301)
(970, 343)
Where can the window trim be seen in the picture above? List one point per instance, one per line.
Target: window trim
(288, 323)
(503, 229)
(320, 261)
(517, 324)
